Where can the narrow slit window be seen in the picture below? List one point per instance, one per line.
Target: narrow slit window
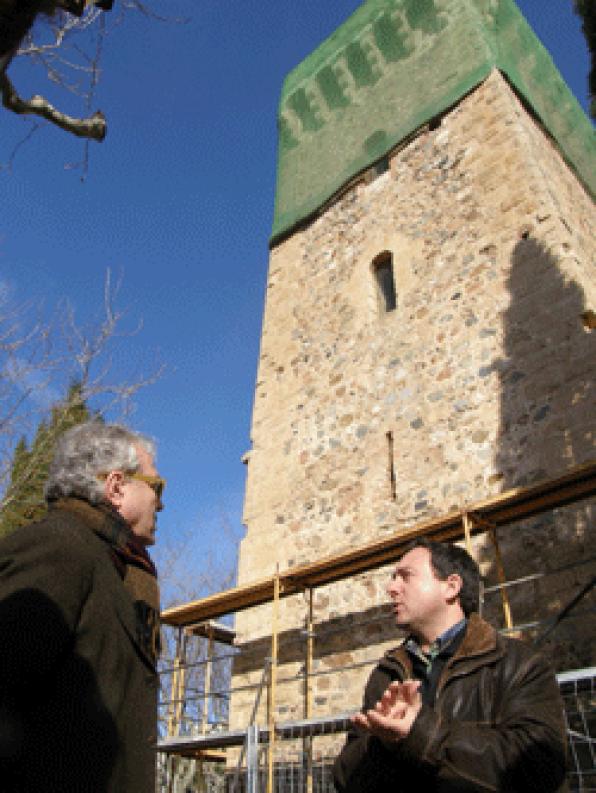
(391, 467)
(383, 272)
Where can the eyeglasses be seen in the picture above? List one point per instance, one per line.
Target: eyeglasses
(156, 483)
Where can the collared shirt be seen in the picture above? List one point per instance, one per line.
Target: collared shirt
(428, 665)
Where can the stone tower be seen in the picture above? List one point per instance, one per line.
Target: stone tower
(423, 346)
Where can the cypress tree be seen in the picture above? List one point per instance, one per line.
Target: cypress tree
(24, 500)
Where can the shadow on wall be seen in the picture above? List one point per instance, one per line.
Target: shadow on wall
(547, 399)
(547, 379)
(344, 634)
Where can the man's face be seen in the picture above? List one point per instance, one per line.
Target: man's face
(419, 598)
(139, 503)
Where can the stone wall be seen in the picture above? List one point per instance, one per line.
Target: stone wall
(366, 422)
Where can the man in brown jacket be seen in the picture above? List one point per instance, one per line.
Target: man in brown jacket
(455, 707)
(79, 623)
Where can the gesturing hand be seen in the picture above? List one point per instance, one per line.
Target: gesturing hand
(393, 715)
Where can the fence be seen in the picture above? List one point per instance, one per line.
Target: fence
(579, 695)
(297, 756)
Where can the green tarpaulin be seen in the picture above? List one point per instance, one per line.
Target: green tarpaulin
(390, 68)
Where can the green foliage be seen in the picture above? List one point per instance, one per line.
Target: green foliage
(586, 9)
(24, 501)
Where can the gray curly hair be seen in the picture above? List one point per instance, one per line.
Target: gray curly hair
(90, 449)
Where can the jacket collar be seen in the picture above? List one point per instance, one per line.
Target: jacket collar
(479, 641)
(103, 519)
(107, 524)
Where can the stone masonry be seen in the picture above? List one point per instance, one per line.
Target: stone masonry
(481, 380)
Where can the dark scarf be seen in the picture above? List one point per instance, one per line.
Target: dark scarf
(136, 570)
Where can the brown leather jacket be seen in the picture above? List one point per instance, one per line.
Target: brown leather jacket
(497, 725)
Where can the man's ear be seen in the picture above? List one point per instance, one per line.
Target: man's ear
(454, 584)
(113, 488)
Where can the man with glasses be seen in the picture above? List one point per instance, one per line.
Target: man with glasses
(79, 623)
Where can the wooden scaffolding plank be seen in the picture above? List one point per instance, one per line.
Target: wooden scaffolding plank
(501, 510)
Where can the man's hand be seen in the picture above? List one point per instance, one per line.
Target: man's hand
(393, 715)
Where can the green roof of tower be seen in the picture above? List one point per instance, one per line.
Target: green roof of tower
(389, 69)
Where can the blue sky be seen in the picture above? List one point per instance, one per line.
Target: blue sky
(179, 201)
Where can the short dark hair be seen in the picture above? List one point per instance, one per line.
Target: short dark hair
(446, 559)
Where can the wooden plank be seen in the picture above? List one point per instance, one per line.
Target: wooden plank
(222, 634)
(502, 510)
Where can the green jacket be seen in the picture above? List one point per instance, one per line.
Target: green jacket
(496, 725)
(78, 682)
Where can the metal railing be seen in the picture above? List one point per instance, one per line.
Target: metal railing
(579, 695)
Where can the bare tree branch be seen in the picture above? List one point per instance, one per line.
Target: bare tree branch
(60, 31)
(13, 154)
(93, 127)
(40, 360)
(48, 32)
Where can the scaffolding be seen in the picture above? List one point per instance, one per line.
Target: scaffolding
(500, 511)
(255, 767)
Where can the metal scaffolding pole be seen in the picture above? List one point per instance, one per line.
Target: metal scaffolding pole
(252, 759)
(502, 578)
(207, 687)
(177, 686)
(467, 532)
(307, 740)
(272, 682)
